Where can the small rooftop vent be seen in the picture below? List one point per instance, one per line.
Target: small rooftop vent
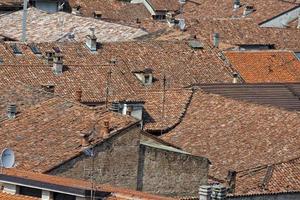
(48, 88)
(236, 4)
(11, 111)
(195, 44)
(248, 10)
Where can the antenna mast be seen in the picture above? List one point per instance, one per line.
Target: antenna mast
(24, 19)
(163, 104)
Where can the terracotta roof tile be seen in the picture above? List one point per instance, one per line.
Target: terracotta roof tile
(278, 177)
(6, 196)
(45, 27)
(164, 5)
(54, 116)
(235, 134)
(116, 193)
(265, 66)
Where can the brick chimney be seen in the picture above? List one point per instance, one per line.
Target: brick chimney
(11, 111)
(78, 95)
(105, 129)
(84, 140)
(57, 63)
(205, 192)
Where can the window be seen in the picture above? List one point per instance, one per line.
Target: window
(59, 196)
(30, 192)
(16, 49)
(35, 49)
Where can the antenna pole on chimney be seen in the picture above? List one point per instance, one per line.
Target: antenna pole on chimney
(163, 104)
(107, 87)
(24, 19)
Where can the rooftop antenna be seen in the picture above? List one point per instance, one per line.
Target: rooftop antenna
(24, 20)
(7, 159)
(163, 104)
(113, 61)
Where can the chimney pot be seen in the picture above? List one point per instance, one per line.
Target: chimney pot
(78, 95)
(11, 111)
(105, 129)
(84, 139)
(205, 192)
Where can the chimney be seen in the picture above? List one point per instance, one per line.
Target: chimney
(11, 111)
(216, 39)
(91, 40)
(49, 57)
(105, 129)
(236, 4)
(235, 77)
(57, 63)
(78, 95)
(205, 192)
(231, 179)
(219, 192)
(84, 140)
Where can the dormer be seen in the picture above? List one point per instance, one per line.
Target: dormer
(91, 40)
(145, 76)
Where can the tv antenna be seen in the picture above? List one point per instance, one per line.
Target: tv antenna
(7, 158)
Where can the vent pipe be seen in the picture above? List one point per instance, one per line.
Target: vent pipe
(216, 40)
(11, 111)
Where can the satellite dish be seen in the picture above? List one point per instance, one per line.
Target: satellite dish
(7, 158)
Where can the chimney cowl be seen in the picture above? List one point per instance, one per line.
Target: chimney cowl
(11, 111)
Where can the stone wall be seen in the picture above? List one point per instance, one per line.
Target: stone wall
(116, 161)
(170, 173)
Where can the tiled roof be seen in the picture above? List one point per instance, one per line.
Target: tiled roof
(54, 122)
(236, 135)
(235, 31)
(274, 178)
(116, 193)
(6, 196)
(21, 95)
(8, 3)
(282, 95)
(164, 5)
(197, 9)
(45, 27)
(265, 66)
(112, 10)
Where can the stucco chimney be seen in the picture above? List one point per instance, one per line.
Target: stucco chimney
(78, 95)
(91, 40)
(205, 192)
(216, 39)
(84, 140)
(11, 111)
(57, 63)
(105, 129)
